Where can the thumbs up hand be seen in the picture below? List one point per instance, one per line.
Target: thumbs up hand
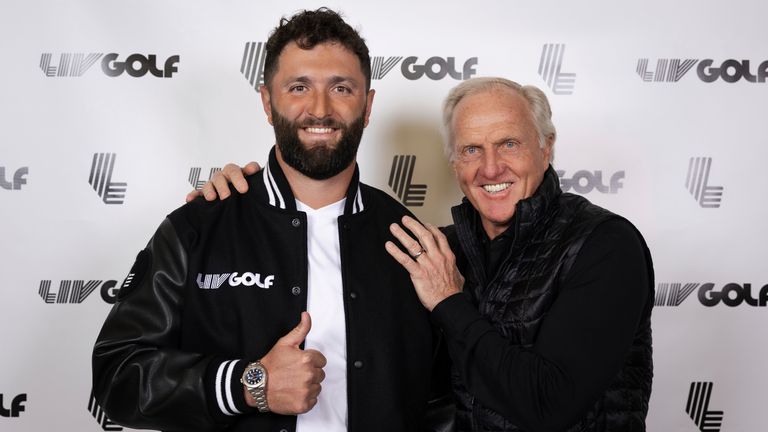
(293, 375)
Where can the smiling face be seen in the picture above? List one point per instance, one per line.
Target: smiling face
(318, 103)
(498, 160)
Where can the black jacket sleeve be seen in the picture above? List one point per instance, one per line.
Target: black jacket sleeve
(441, 409)
(140, 376)
(581, 344)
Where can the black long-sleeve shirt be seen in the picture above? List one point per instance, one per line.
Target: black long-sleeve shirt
(581, 344)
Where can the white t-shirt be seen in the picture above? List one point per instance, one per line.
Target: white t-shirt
(325, 304)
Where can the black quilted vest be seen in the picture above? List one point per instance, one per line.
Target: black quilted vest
(550, 228)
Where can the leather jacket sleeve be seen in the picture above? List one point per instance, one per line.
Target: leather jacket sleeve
(140, 377)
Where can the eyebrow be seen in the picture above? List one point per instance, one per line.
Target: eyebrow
(507, 139)
(338, 79)
(335, 79)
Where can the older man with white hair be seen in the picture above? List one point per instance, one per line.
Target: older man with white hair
(544, 298)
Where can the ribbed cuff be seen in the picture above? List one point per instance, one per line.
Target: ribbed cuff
(226, 396)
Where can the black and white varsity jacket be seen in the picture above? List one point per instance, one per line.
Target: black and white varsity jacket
(220, 282)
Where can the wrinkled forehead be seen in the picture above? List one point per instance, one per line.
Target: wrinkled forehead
(492, 112)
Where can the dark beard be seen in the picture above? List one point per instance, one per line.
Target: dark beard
(320, 162)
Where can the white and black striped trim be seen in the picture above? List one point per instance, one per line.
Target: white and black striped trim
(275, 197)
(358, 206)
(224, 389)
(128, 279)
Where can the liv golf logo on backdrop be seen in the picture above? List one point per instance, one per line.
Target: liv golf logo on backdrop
(16, 405)
(100, 179)
(401, 181)
(697, 408)
(252, 65)
(76, 291)
(710, 295)
(16, 181)
(380, 66)
(437, 68)
(584, 182)
(135, 65)
(101, 416)
(708, 70)
(697, 183)
(412, 68)
(194, 176)
(550, 69)
(434, 68)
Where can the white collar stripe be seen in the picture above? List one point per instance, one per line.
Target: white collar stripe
(275, 189)
(359, 200)
(268, 186)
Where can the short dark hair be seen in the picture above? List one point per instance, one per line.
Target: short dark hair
(309, 28)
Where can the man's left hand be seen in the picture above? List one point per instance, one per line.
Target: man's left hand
(429, 261)
(218, 185)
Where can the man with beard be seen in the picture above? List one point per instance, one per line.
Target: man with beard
(204, 333)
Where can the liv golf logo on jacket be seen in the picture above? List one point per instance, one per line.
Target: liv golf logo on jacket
(100, 179)
(246, 279)
(697, 408)
(550, 69)
(401, 181)
(112, 65)
(708, 70)
(697, 183)
(710, 295)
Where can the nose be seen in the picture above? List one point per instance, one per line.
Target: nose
(320, 106)
(491, 165)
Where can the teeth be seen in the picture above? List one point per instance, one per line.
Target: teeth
(319, 130)
(494, 188)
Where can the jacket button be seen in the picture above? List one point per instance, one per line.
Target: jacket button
(296, 290)
(353, 295)
(283, 430)
(358, 364)
(296, 222)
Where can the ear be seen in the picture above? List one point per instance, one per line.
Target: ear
(455, 166)
(368, 105)
(549, 148)
(265, 102)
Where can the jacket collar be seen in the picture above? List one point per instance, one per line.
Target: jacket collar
(533, 209)
(528, 213)
(280, 195)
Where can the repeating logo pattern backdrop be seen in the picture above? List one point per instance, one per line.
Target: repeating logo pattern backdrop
(106, 129)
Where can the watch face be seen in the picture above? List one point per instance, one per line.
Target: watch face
(254, 376)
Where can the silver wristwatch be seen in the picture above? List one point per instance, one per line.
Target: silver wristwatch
(255, 381)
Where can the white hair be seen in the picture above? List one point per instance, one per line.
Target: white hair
(537, 100)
